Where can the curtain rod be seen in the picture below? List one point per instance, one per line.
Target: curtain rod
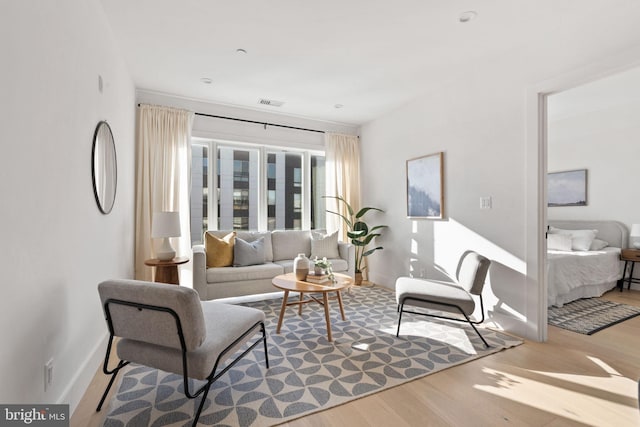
(265, 124)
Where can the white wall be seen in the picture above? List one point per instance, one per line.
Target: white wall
(478, 129)
(480, 117)
(597, 127)
(57, 246)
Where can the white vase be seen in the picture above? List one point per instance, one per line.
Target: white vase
(301, 266)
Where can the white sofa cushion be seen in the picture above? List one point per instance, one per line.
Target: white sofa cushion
(339, 264)
(287, 244)
(234, 274)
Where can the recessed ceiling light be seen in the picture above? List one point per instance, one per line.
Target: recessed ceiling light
(206, 80)
(242, 51)
(468, 16)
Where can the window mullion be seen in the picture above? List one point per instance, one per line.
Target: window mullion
(262, 196)
(212, 208)
(306, 191)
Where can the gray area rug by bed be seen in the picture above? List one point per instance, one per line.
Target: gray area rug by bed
(590, 315)
(307, 372)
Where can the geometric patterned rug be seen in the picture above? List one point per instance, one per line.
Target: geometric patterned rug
(308, 373)
(590, 315)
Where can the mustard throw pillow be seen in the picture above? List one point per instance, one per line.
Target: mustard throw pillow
(219, 251)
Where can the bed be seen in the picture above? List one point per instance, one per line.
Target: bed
(589, 271)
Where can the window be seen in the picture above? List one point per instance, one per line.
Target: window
(199, 191)
(284, 187)
(256, 188)
(238, 191)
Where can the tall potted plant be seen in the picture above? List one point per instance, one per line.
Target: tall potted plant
(360, 233)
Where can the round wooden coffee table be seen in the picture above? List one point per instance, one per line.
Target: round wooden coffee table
(288, 283)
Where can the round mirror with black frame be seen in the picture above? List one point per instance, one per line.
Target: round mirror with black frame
(104, 167)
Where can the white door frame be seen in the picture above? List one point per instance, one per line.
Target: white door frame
(536, 178)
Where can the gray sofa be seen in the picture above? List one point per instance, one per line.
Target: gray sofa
(281, 247)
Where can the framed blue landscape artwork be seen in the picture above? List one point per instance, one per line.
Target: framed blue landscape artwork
(568, 188)
(424, 187)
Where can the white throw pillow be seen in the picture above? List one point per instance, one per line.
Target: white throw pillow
(580, 239)
(559, 242)
(324, 245)
(598, 244)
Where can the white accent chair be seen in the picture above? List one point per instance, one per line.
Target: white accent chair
(450, 297)
(167, 327)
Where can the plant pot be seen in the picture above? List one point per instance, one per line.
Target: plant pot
(358, 279)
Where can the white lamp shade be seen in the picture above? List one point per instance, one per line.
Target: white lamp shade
(165, 224)
(634, 236)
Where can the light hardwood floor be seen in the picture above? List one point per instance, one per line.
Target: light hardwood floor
(571, 380)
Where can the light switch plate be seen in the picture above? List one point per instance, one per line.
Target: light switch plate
(485, 202)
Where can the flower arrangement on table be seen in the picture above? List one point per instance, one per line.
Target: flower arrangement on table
(323, 266)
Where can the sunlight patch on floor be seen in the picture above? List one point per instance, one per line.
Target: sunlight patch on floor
(607, 399)
(611, 381)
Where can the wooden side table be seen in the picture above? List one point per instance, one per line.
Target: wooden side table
(629, 256)
(167, 271)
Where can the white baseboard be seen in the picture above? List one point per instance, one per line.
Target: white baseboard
(79, 383)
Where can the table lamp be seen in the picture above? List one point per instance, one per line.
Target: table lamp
(634, 236)
(165, 225)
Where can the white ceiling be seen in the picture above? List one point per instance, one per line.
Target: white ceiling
(371, 56)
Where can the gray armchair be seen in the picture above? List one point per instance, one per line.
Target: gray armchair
(450, 297)
(167, 327)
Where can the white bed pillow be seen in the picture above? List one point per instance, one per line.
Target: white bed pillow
(598, 245)
(580, 239)
(559, 242)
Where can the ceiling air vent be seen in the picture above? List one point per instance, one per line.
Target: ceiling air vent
(270, 102)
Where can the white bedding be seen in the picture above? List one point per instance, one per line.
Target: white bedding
(572, 275)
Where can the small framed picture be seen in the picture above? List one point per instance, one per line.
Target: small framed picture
(425, 187)
(567, 188)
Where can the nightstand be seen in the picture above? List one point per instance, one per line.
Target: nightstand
(167, 271)
(629, 256)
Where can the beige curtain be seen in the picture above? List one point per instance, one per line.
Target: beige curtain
(163, 164)
(342, 156)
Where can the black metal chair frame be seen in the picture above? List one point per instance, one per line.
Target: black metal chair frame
(204, 390)
(468, 320)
